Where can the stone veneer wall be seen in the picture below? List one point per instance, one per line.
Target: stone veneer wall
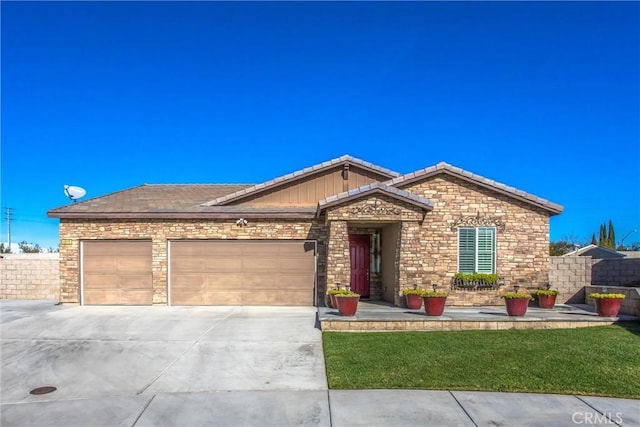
(570, 275)
(160, 231)
(522, 247)
(377, 209)
(29, 276)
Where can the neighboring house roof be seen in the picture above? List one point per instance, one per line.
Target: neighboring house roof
(375, 188)
(445, 168)
(630, 254)
(595, 252)
(286, 179)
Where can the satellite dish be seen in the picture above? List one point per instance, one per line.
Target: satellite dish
(74, 192)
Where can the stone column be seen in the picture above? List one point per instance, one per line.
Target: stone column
(410, 258)
(338, 258)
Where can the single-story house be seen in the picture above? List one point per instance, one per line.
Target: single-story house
(288, 240)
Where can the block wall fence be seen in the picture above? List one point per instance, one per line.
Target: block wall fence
(29, 276)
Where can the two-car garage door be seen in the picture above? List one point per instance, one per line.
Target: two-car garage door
(275, 272)
(203, 272)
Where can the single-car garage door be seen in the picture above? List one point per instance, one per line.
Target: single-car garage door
(253, 272)
(116, 272)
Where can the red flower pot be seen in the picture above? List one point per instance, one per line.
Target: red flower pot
(434, 306)
(516, 307)
(334, 303)
(608, 307)
(347, 306)
(414, 302)
(546, 301)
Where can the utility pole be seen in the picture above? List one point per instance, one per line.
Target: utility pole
(8, 215)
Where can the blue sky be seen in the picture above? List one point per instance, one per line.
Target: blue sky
(543, 96)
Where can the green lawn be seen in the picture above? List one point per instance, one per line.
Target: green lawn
(602, 360)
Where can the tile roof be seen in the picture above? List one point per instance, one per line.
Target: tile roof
(443, 167)
(209, 200)
(376, 187)
(172, 200)
(346, 159)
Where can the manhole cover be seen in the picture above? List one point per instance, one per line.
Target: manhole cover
(43, 390)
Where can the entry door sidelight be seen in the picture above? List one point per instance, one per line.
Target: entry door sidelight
(359, 252)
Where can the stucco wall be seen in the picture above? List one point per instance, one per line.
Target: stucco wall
(29, 276)
(160, 231)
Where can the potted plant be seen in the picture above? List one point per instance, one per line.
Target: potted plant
(434, 302)
(347, 302)
(516, 303)
(608, 304)
(332, 296)
(413, 298)
(546, 297)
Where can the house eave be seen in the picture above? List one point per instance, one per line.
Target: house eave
(186, 216)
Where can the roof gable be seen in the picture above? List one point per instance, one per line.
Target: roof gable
(445, 168)
(375, 188)
(280, 182)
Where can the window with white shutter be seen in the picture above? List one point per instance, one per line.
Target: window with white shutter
(477, 250)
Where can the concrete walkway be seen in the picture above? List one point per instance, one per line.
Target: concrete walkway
(235, 366)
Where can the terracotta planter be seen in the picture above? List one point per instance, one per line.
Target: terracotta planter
(434, 306)
(334, 303)
(608, 307)
(516, 307)
(546, 301)
(347, 306)
(414, 302)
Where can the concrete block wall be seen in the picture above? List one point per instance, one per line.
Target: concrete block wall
(616, 272)
(631, 303)
(29, 276)
(570, 276)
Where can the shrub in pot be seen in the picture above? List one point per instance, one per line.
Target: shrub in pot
(546, 297)
(608, 304)
(413, 298)
(347, 303)
(434, 302)
(516, 303)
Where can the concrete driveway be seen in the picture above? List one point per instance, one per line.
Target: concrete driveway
(227, 366)
(120, 366)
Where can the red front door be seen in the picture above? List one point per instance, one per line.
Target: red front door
(359, 250)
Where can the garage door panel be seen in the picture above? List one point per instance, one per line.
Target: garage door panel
(102, 296)
(134, 282)
(223, 265)
(128, 264)
(117, 272)
(243, 272)
(258, 265)
(187, 264)
(100, 263)
(100, 281)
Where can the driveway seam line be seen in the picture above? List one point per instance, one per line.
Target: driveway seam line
(462, 407)
(143, 410)
(329, 407)
(193, 343)
(597, 410)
